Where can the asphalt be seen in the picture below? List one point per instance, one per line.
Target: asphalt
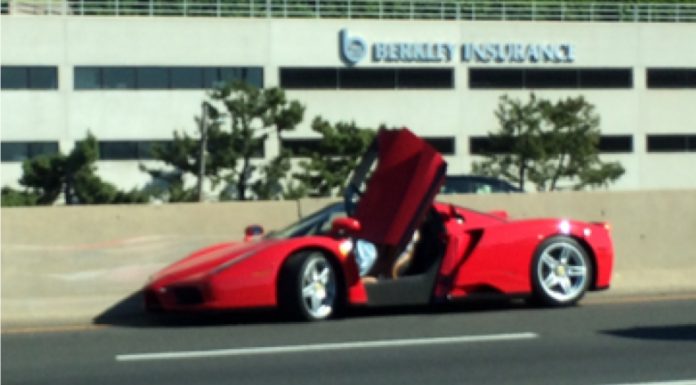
(617, 342)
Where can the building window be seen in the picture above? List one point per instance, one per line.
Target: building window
(481, 145)
(366, 78)
(672, 143)
(152, 78)
(309, 78)
(142, 149)
(19, 151)
(615, 144)
(496, 78)
(129, 149)
(187, 77)
(118, 78)
(671, 78)
(550, 78)
(87, 78)
(157, 78)
(425, 78)
(303, 146)
(606, 78)
(444, 145)
(29, 78)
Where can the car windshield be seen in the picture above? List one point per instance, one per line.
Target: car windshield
(314, 224)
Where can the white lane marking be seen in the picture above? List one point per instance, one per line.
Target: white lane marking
(683, 382)
(324, 347)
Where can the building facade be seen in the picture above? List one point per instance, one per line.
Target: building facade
(133, 81)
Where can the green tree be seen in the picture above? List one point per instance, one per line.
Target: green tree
(12, 197)
(237, 119)
(169, 186)
(572, 152)
(74, 175)
(327, 168)
(282, 115)
(253, 113)
(515, 148)
(207, 155)
(272, 183)
(547, 143)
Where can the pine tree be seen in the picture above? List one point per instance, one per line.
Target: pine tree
(547, 144)
(326, 171)
(73, 175)
(237, 119)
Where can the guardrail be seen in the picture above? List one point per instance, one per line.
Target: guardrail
(531, 10)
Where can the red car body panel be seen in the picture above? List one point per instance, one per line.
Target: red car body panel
(240, 275)
(489, 254)
(483, 253)
(393, 204)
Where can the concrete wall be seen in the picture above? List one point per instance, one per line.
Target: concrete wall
(654, 232)
(71, 263)
(67, 264)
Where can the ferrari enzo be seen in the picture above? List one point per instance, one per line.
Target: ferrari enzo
(389, 243)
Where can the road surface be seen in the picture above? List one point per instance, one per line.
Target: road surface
(621, 341)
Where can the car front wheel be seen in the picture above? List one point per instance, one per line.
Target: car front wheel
(561, 272)
(309, 287)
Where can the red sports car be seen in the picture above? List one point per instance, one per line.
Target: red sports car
(389, 243)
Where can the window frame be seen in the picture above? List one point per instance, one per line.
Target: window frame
(652, 76)
(30, 78)
(659, 143)
(486, 78)
(207, 77)
(349, 79)
(31, 149)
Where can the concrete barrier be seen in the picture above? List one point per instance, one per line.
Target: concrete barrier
(70, 264)
(654, 232)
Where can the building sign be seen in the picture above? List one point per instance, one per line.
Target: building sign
(354, 49)
(518, 53)
(413, 52)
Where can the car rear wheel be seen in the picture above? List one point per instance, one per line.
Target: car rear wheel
(309, 288)
(561, 272)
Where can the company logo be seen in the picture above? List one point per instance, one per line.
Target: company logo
(353, 48)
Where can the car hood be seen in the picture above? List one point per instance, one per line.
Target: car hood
(210, 259)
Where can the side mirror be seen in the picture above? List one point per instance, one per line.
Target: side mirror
(252, 232)
(453, 213)
(345, 226)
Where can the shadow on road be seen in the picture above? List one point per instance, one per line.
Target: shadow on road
(130, 312)
(685, 333)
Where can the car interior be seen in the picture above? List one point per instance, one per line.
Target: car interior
(415, 280)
